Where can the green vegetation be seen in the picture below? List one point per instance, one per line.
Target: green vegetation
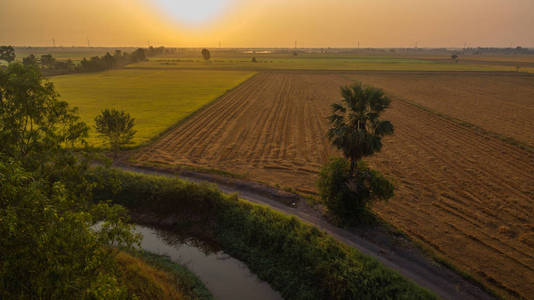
(355, 127)
(187, 282)
(57, 243)
(7, 53)
(151, 276)
(206, 54)
(348, 187)
(50, 66)
(49, 249)
(64, 53)
(295, 258)
(156, 99)
(117, 127)
(347, 196)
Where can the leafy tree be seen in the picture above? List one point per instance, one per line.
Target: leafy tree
(138, 55)
(347, 185)
(29, 60)
(49, 249)
(47, 60)
(454, 57)
(7, 53)
(109, 60)
(254, 59)
(34, 123)
(348, 196)
(117, 127)
(206, 54)
(356, 128)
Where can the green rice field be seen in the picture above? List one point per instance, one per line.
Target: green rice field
(157, 99)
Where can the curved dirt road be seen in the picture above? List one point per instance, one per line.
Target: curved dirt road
(404, 258)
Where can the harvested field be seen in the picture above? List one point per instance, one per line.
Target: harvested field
(468, 196)
(501, 103)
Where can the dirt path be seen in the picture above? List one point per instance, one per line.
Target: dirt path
(394, 252)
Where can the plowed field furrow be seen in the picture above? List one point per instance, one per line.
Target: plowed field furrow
(213, 127)
(467, 195)
(454, 170)
(500, 103)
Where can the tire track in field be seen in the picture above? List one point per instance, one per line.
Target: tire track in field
(468, 196)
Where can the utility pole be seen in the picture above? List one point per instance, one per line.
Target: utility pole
(88, 43)
(220, 44)
(53, 42)
(295, 44)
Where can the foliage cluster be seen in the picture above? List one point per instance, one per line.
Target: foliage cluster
(348, 187)
(189, 285)
(296, 259)
(117, 127)
(47, 244)
(347, 196)
(356, 128)
(108, 61)
(50, 66)
(7, 53)
(206, 54)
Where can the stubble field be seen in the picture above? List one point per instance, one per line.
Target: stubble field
(466, 195)
(502, 103)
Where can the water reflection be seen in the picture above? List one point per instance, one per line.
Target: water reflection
(224, 276)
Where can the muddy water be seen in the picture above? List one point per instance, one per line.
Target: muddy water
(224, 276)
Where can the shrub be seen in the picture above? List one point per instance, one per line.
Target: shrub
(348, 196)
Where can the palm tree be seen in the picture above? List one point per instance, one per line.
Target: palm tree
(356, 128)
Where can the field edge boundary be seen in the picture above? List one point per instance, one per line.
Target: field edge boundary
(194, 113)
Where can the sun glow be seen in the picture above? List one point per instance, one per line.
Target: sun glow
(194, 12)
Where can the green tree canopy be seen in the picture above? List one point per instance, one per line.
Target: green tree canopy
(348, 196)
(206, 54)
(7, 53)
(355, 125)
(35, 124)
(29, 60)
(48, 248)
(347, 185)
(117, 127)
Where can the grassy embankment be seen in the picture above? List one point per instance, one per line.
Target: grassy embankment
(297, 259)
(156, 99)
(150, 276)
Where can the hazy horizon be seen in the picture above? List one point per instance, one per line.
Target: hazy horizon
(269, 23)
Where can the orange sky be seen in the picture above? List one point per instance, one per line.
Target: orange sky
(269, 23)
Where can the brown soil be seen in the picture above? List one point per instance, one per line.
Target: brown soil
(468, 196)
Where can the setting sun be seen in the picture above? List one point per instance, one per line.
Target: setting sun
(267, 149)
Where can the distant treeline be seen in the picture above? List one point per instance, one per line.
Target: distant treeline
(51, 66)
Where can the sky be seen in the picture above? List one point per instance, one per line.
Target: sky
(268, 23)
